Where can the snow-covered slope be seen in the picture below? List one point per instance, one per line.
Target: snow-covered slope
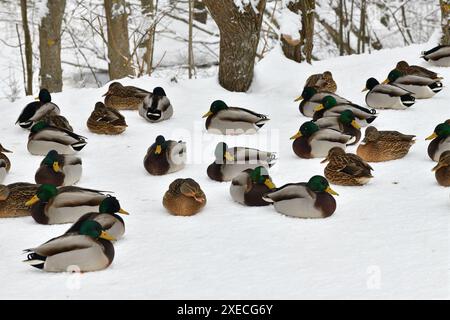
(389, 239)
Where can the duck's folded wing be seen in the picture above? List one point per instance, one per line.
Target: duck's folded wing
(249, 154)
(131, 91)
(332, 136)
(438, 52)
(28, 111)
(64, 243)
(235, 114)
(414, 80)
(288, 192)
(177, 149)
(390, 90)
(57, 135)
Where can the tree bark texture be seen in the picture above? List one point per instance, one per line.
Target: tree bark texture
(148, 9)
(200, 12)
(28, 48)
(445, 21)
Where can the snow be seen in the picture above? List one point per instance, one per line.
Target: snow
(389, 239)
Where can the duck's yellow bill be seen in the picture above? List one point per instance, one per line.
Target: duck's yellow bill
(269, 184)
(56, 166)
(319, 107)
(32, 201)
(105, 235)
(158, 149)
(433, 136)
(121, 211)
(296, 136)
(356, 125)
(206, 115)
(229, 156)
(385, 81)
(298, 99)
(365, 89)
(36, 98)
(331, 191)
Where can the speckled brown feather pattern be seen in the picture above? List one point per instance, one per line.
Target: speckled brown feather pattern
(57, 121)
(7, 161)
(13, 198)
(104, 120)
(125, 97)
(442, 169)
(184, 197)
(413, 70)
(322, 82)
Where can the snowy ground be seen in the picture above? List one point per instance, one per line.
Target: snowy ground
(389, 239)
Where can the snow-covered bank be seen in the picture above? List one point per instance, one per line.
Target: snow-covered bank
(389, 239)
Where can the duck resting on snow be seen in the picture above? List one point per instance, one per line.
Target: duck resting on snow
(157, 106)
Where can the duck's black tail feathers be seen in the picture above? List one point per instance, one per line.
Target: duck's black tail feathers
(35, 260)
(408, 100)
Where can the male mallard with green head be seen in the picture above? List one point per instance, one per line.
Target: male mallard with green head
(312, 142)
(59, 169)
(346, 123)
(249, 187)
(313, 199)
(346, 169)
(386, 96)
(222, 119)
(157, 107)
(442, 169)
(125, 97)
(87, 249)
(420, 87)
(165, 156)
(440, 140)
(438, 56)
(13, 197)
(312, 98)
(36, 110)
(105, 120)
(184, 197)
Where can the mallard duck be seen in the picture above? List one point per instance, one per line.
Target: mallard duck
(346, 123)
(184, 197)
(420, 87)
(311, 98)
(230, 162)
(59, 169)
(112, 223)
(386, 96)
(221, 119)
(413, 70)
(165, 156)
(35, 110)
(125, 97)
(51, 205)
(312, 142)
(322, 82)
(44, 138)
(13, 197)
(157, 108)
(440, 140)
(331, 108)
(86, 249)
(438, 56)
(346, 169)
(249, 186)
(5, 163)
(442, 169)
(378, 146)
(57, 121)
(313, 199)
(104, 120)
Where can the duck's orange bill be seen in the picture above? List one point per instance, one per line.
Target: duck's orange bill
(105, 235)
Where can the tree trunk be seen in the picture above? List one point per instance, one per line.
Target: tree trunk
(50, 73)
(239, 37)
(200, 12)
(307, 35)
(445, 21)
(190, 46)
(148, 9)
(118, 44)
(292, 48)
(28, 48)
(341, 27)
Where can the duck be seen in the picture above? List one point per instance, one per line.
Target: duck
(414, 70)
(312, 98)
(438, 56)
(13, 197)
(52, 205)
(59, 169)
(5, 163)
(249, 187)
(184, 197)
(106, 216)
(442, 169)
(230, 162)
(379, 146)
(58, 121)
(125, 97)
(346, 169)
(105, 120)
(331, 108)
(346, 123)
(312, 200)
(165, 156)
(440, 140)
(44, 137)
(86, 249)
(387, 96)
(222, 119)
(420, 87)
(157, 107)
(35, 110)
(312, 142)
(322, 82)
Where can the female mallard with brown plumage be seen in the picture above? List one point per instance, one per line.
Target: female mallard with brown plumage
(440, 140)
(378, 146)
(5, 163)
(249, 187)
(442, 169)
(59, 169)
(13, 197)
(165, 156)
(184, 197)
(313, 142)
(125, 97)
(322, 82)
(346, 169)
(414, 70)
(313, 199)
(104, 120)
